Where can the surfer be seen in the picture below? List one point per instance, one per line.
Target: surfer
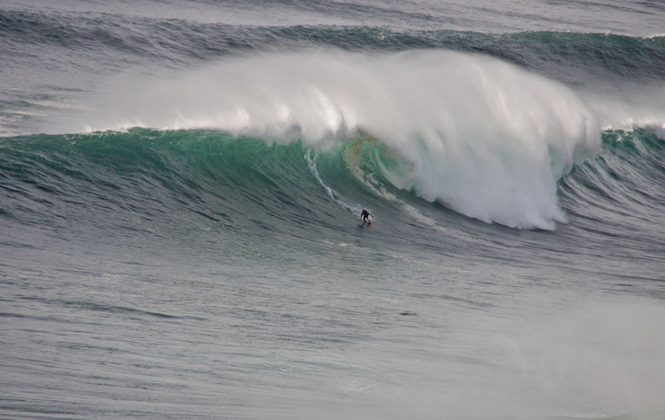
(365, 217)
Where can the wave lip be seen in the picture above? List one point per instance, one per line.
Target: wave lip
(484, 137)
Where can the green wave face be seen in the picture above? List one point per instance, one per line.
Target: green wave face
(169, 178)
(241, 183)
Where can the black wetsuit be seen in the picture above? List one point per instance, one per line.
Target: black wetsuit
(364, 215)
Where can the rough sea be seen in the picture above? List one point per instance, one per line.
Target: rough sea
(181, 184)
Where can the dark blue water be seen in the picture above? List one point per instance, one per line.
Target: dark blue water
(181, 183)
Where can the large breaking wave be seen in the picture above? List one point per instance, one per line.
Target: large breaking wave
(484, 137)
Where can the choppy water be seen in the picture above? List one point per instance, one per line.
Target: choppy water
(180, 185)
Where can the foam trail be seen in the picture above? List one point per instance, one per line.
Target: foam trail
(310, 157)
(481, 136)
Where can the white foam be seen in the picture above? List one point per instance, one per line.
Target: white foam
(485, 138)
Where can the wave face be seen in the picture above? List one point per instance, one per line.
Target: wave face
(62, 179)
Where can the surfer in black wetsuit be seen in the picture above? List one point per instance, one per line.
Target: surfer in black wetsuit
(365, 217)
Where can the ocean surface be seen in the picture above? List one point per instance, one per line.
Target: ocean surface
(181, 184)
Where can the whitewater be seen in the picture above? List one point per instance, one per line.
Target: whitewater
(181, 185)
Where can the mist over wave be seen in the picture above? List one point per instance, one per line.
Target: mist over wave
(481, 136)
